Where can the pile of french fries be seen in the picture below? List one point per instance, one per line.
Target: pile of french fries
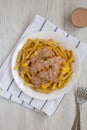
(30, 49)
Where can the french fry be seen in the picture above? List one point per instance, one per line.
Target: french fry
(29, 84)
(23, 58)
(67, 53)
(65, 70)
(64, 77)
(33, 49)
(72, 55)
(17, 66)
(48, 42)
(70, 60)
(45, 86)
(67, 80)
(28, 75)
(59, 84)
(63, 52)
(44, 90)
(28, 44)
(19, 57)
(27, 50)
(54, 86)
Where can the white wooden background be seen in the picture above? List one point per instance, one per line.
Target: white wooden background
(15, 15)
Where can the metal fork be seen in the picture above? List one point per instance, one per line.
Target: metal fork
(81, 97)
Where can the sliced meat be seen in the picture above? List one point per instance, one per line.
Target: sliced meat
(43, 75)
(46, 52)
(36, 81)
(37, 66)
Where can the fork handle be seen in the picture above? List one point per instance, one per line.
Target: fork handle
(78, 117)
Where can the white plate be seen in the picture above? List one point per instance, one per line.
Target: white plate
(64, 42)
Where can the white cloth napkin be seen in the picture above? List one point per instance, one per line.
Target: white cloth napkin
(8, 88)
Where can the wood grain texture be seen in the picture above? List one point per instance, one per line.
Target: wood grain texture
(15, 15)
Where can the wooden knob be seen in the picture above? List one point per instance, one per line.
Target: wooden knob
(79, 17)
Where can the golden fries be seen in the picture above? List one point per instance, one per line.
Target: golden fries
(19, 57)
(45, 86)
(30, 49)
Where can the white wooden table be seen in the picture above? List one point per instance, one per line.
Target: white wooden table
(15, 15)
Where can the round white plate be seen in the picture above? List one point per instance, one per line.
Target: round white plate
(66, 44)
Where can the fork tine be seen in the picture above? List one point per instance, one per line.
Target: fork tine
(80, 91)
(85, 92)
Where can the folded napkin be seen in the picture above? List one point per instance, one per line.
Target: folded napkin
(8, 88)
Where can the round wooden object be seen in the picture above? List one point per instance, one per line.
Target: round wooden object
(79, 17)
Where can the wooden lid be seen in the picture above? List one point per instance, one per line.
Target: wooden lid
(79, 17)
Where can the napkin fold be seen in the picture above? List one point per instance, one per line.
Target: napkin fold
(8, 87)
